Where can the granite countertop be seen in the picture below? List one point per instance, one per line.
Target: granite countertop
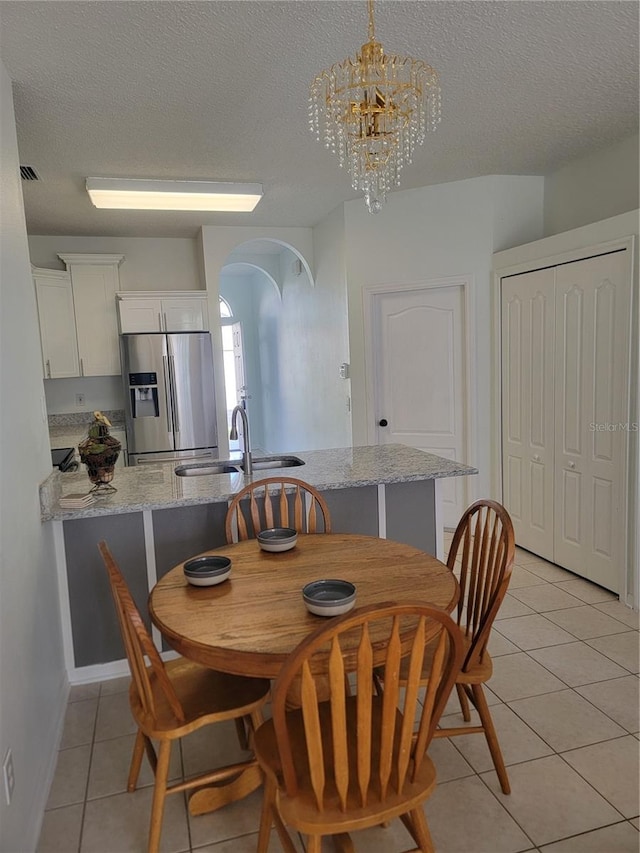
(156, 486)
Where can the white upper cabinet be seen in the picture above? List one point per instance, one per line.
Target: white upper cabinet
(58, 338)
(139, 315)
(185, 315)
(95, 281)
(163, 312)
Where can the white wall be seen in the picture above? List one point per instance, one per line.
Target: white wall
(592, 188)
(33, 683)
(299, 339)
(435, 232)
(100, 392)
(303, 340)
(150, 263)
(218, 243)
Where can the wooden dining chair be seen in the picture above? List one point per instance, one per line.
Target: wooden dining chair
(482, 551)
(276, 502)
(172, 699)
(351, 761)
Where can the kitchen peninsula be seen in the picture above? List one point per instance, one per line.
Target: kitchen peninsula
(156, 519)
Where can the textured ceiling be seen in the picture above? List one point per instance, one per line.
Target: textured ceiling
(218, 91)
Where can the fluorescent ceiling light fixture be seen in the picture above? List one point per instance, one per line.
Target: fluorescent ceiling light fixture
(133, 194)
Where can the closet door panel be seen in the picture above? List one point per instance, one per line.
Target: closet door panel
(593, 309)
(528, 308)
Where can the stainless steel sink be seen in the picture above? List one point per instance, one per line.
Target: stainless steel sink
(199, 470)
(265, 462)
(228, 466)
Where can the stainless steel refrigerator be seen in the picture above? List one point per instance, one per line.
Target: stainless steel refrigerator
(170, 404)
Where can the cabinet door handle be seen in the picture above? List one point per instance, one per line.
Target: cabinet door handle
(166, 327)
(48, 369)
(160, 326)
(536, 457)
(572, 465)
(81, 367)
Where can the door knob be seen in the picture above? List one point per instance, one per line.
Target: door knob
(572, 464)
(536, 457)
(383, 422)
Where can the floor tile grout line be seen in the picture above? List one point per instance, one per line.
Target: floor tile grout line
(578, 834)
(584, 639)
(562, 838)
(572, 686)
(553, 645)
(568, 687)
(608, 716)
(184, 794)
(556, 751)
(630, 631)
(526, 652)
(590, 784)
(549, 609)
(499, 801)
(601, 604)
(86, 788)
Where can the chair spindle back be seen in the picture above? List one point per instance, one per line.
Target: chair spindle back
(276, 502)
(343, 654)
(138, 644)
(484, 541)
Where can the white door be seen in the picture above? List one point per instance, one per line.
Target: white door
(419, 342)
(242, 395)
(592, 356)
(238, 363)
(528, 328)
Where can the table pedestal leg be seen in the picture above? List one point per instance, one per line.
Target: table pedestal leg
(215, 795)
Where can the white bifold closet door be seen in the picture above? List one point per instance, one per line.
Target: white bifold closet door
(565, 368)
(592, 363)
(528, 427)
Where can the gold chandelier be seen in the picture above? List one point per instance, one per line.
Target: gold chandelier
(372, 110)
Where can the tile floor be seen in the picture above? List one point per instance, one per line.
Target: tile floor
(564, 698)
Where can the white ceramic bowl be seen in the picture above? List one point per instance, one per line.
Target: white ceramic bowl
(277, 539)
(207, 571)
(329, 597)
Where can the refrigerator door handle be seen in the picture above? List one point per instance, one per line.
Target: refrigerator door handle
(167, 385)
(174, 401)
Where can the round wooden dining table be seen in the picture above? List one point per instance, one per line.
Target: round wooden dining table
(250, 623)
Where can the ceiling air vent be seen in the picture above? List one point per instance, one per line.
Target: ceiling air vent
(28, 173)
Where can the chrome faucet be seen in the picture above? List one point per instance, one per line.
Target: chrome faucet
(247, 464)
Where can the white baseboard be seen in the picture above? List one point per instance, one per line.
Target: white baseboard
(107, 671)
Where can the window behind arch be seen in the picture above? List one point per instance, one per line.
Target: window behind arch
(225, 309)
